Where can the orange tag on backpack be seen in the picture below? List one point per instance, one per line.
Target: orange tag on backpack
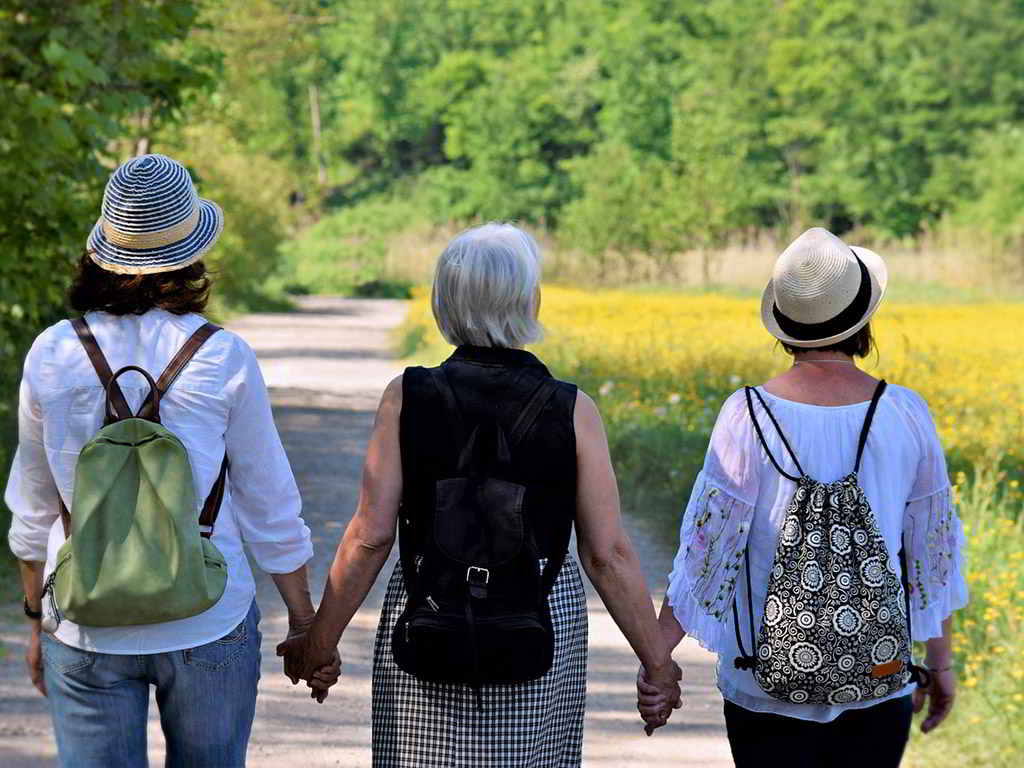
(889, 668)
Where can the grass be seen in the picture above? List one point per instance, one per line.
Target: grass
(660, 364)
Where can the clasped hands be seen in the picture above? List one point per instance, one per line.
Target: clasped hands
(658, 691)
(305, 660)
(657, 694)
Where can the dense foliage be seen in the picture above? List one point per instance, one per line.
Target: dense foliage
(81, 84)
(658, 125)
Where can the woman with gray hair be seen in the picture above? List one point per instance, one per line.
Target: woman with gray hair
(485, 464)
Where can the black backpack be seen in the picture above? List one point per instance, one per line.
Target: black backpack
(477, 611)
(836, 624)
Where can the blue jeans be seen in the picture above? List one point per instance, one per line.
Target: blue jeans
(206, 696)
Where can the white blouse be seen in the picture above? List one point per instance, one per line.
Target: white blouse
(219, 403)
(739, 500)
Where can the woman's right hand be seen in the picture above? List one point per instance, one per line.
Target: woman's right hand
(658, 693)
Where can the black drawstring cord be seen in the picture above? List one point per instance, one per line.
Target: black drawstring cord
(745, 660)
(918, 675)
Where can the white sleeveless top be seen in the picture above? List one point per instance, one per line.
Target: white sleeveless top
(740, 499)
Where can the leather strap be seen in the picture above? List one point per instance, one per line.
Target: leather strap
(150, 407)
(208, 517)
(185, 354)
(211, 507)
(102, 368)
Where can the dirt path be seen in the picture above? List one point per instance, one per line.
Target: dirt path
(326, 367)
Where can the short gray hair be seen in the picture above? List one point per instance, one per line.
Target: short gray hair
(486, 288)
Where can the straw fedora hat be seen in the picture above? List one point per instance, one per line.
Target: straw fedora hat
(153, 220)
(822, 290)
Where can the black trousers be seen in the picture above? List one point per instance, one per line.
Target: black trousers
(873, 737)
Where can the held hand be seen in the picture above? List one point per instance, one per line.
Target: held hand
(940, 693)
(34, 659)
(320, 667)
(658, 694)
(293, 647)
(324, 678)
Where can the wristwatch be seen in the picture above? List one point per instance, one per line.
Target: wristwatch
(34, 615)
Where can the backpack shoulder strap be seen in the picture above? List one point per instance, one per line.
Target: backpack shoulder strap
(102, 367)
(764, 443)
(211, 507)
(540, 397)
(150, 407)
(868, 418)
(185, 354)
(451, 404)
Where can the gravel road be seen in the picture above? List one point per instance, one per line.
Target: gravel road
(326, 365)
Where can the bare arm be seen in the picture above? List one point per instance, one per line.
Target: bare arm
(671, 631)
(604, 547)
(294, 590)
(368, 539)
(32, 583)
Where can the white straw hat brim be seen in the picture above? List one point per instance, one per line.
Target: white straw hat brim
(877, 273)
(146, 261)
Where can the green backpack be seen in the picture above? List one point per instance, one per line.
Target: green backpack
(138, 550)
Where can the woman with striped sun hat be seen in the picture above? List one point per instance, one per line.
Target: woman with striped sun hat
(141, 287)
(153, 220)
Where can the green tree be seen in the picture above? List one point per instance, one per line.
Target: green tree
(75, 78)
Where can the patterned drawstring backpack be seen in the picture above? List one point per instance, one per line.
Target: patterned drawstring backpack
(836, 623)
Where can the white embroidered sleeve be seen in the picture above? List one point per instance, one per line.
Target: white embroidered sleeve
(934, 541)
(933, 537)
(715, 527)
(712, 539)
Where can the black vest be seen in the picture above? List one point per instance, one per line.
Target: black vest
(492, 384)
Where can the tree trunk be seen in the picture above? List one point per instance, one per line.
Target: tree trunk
(314, 115)
(142, 143)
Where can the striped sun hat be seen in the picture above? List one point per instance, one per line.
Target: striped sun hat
(153, 220)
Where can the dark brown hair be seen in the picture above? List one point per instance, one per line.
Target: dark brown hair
(180, 291)
(858, 345)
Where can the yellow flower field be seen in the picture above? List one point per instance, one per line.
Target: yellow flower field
(660, 365)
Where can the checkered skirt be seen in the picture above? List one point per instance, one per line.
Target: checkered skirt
(538, 724)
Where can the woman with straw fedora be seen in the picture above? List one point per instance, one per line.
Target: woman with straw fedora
(806, 578)
(140, 288)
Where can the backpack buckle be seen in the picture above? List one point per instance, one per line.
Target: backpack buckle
(477, 579)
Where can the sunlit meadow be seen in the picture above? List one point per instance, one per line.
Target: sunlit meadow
(661, 364)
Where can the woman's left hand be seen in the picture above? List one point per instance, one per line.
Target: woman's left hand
(324, 678)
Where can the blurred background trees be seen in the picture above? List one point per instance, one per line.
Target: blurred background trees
(347, 139)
